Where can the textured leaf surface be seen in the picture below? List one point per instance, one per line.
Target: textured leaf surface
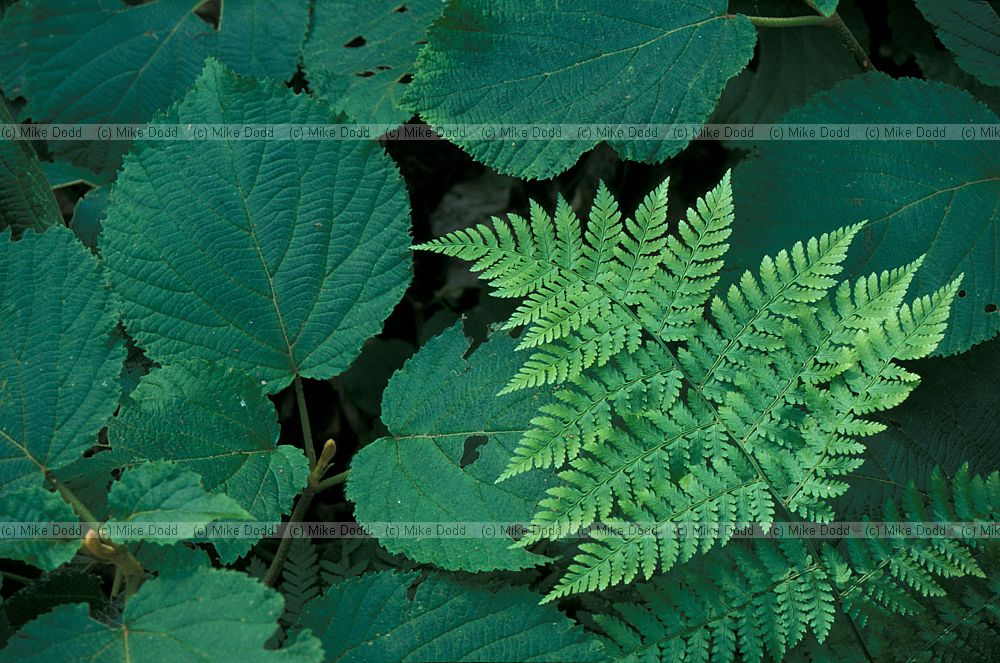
(211, 615)
(35, 504)
(370, 618)
(93, 61)
(360, 56)
(433, 406)
(219, 425)
(945, 205)
(528, 61)
(263, 38)
(160, 491)
(971, 30)
(278, 257)
(59, 364)
(26, 201)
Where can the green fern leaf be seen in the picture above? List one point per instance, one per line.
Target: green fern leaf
(762, 406)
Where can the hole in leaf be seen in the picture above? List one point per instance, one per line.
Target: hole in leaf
(357, 42)
(365, 74)
(470, 453)
(383, 67)
(402, 9)
(961, 293)
(420, 42)
(405, 79)
(991, 308)
(116, 472)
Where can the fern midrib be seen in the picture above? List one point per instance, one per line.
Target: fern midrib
(622, 469)
(627, 541)
(848, 411)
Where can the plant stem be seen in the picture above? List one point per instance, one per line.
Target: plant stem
(851, 42)
(274, 570)
(17, 577)
(834, 21)
(307, 438)
(314, 486)
(788, 21)
(117, 554)
(335, 480)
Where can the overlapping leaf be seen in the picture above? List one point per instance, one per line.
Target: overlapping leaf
(210, 615)
(92, 61)
(370, 618)
(434, 406)
(930, 196)
(971, 30)
(218, 424)
(59, 361)
(278, 257)
(360, 56)
(26, 201)
(263, 38)
(532, 62)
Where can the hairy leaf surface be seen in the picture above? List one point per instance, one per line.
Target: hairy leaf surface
(362, 65)
(278, 257)
(211, 615)
(436, 404)
(944, 205)
(971, 30)
(531, 62)
(59, 361)
(371, 618)
(218, 424)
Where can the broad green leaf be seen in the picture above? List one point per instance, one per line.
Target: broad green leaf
(211, 615)
(94, 61)
(360, 56)
(919, 196)
(278, 257)
(971, 30)
(34, 504)
(59, 362)
(950, 420)
(792, 66)
(370, 618)
(435, 406)
(591, 61)
(218, 424)
(26, 201)
(161, 491)
(263, 38)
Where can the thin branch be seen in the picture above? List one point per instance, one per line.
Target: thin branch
(788, 21)
(307, 438)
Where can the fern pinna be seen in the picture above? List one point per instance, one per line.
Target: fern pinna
(676, 405)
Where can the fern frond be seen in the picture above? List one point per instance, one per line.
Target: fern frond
(763, 597)
(644, 381)
(768, 388)
(725, 493)
(300, 579)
